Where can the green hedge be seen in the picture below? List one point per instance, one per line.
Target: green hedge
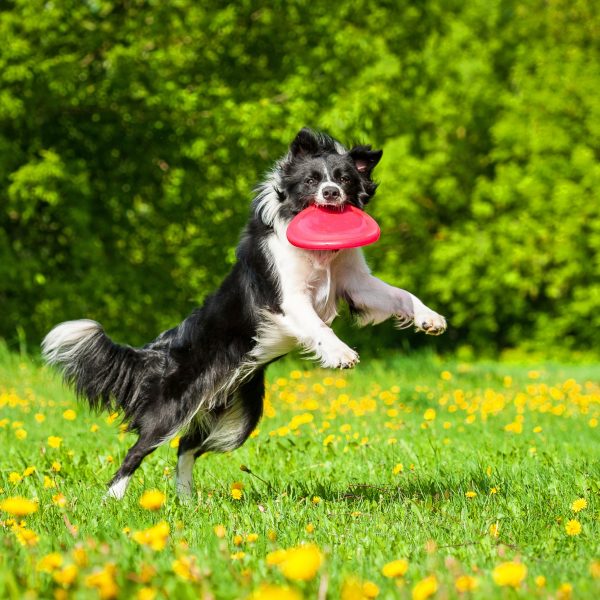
(132, 133)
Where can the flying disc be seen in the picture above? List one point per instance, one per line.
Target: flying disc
(332, 228)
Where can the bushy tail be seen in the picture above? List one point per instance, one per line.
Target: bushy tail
(106, 374)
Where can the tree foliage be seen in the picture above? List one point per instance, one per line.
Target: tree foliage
(133, 132)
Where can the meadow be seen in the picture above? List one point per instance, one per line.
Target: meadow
(410, 477)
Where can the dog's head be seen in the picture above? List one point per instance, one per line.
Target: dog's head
(317, 170)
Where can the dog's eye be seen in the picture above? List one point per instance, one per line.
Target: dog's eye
(344, 179)
(309, 181)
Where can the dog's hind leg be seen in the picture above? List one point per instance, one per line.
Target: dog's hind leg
(222, 430)
(155, 429)
(136, 454)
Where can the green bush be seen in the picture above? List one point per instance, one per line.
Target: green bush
(131, 135)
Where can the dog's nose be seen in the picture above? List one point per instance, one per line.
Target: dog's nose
(331, 193)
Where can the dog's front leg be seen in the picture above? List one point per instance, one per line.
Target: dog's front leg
(375, 301)
(301, 321)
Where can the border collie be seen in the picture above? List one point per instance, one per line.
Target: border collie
(205, 377)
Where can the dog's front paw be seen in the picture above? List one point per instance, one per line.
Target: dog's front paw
(430, 322)
(338, 356)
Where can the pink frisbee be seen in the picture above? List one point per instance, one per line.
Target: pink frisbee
(327, 228)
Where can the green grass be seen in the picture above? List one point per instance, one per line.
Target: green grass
(367, 516)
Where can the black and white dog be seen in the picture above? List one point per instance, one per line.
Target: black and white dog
(205, 377)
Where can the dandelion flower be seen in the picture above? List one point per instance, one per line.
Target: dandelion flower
(54, 441)
(316, 500)
(465, 583)
(429, 414)
(220, 531)
(15, 478)
(540, 581)
(573, 527)
(18, 506)
(396, 568)
(509, 574)
(276, 557)
(66, 576)
(146, 593)
(269, 591)
(236, 494)
(186, 568)
(579, 505)
(152, 499)
(104, 582)
(471, 494)
(69, 415)
(28, 471)
(301, 563)
(155, 537)
(425, 588)
(59, 500)
(50, 562)
(21, 434)
(398, 469)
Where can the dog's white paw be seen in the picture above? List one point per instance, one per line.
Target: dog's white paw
(430, 322)
(337, 356)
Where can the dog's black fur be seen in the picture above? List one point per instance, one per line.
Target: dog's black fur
(205, 376)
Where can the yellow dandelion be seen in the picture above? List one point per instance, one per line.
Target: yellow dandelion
(154, 537)
(573, 527)
(94, 428)
(465, 583)
(510, 574)
(470, 494)
(429, 414)
(40, 418)
(66, 576)
(56, 466)
(370, 589)
(80, 556)
(237, 555)
(59, 500)
(398, 469)
(564, 591)
(540, 581)
(152, 499)
(104, 581)
(579, 505)
(26, 537)
(236, 494)
(28, 471)
(446, 375)
(301, 563)
(276, 557)
(186, 568)
(220, 531)
(49, 483)
(396, 568)
(15, 478)
(316, 500)
(18, 506)
(146, 593)
(269, 591)
(237, 540)
(50, 562)
(21, 434)
(251, 538)
(69, 414)
(425, 588)
(54, 441)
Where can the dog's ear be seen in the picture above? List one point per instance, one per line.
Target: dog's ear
(305, 143)
(365, 159)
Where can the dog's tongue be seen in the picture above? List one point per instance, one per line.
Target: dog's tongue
(325, 228)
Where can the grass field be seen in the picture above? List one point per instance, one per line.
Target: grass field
(395, 480)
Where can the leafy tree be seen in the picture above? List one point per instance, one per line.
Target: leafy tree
(132, 134)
